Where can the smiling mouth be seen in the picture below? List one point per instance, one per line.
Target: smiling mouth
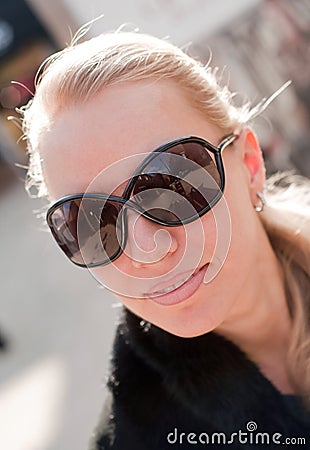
(174, 287)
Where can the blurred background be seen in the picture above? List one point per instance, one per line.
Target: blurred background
(56, 322)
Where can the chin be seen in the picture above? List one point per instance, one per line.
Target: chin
(183, 330)
(186, 332)
(196, 318)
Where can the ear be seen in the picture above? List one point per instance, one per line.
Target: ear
(253, 162)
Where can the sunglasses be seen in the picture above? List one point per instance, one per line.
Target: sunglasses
(174, 185)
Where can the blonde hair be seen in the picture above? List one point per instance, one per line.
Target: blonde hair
(78, 72)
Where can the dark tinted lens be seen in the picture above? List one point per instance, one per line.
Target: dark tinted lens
(85, 229)
(187, 170)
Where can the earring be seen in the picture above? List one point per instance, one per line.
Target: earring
(260, 206)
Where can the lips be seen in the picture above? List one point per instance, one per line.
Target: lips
(179, 291)
(172, 287)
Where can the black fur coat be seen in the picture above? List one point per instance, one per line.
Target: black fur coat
(205, 387)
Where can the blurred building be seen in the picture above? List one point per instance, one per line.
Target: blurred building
(265, 48)
(24, 43)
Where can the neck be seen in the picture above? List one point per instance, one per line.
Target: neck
(259, 322)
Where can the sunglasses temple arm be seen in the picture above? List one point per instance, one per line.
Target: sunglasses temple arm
(227, 141)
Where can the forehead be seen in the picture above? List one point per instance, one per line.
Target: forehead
(96, 137)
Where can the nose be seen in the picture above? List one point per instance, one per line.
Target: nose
(148, 242)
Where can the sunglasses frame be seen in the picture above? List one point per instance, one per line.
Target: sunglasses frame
(125, 197)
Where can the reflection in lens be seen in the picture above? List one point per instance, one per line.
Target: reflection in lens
(97, 233)
(63, 222)
(186, 169)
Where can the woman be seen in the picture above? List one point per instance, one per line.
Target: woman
(214, 339)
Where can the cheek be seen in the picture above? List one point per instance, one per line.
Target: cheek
(244, 231)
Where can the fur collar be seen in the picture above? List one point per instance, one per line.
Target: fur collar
(160, 382)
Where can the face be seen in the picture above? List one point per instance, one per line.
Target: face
(186, 279)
